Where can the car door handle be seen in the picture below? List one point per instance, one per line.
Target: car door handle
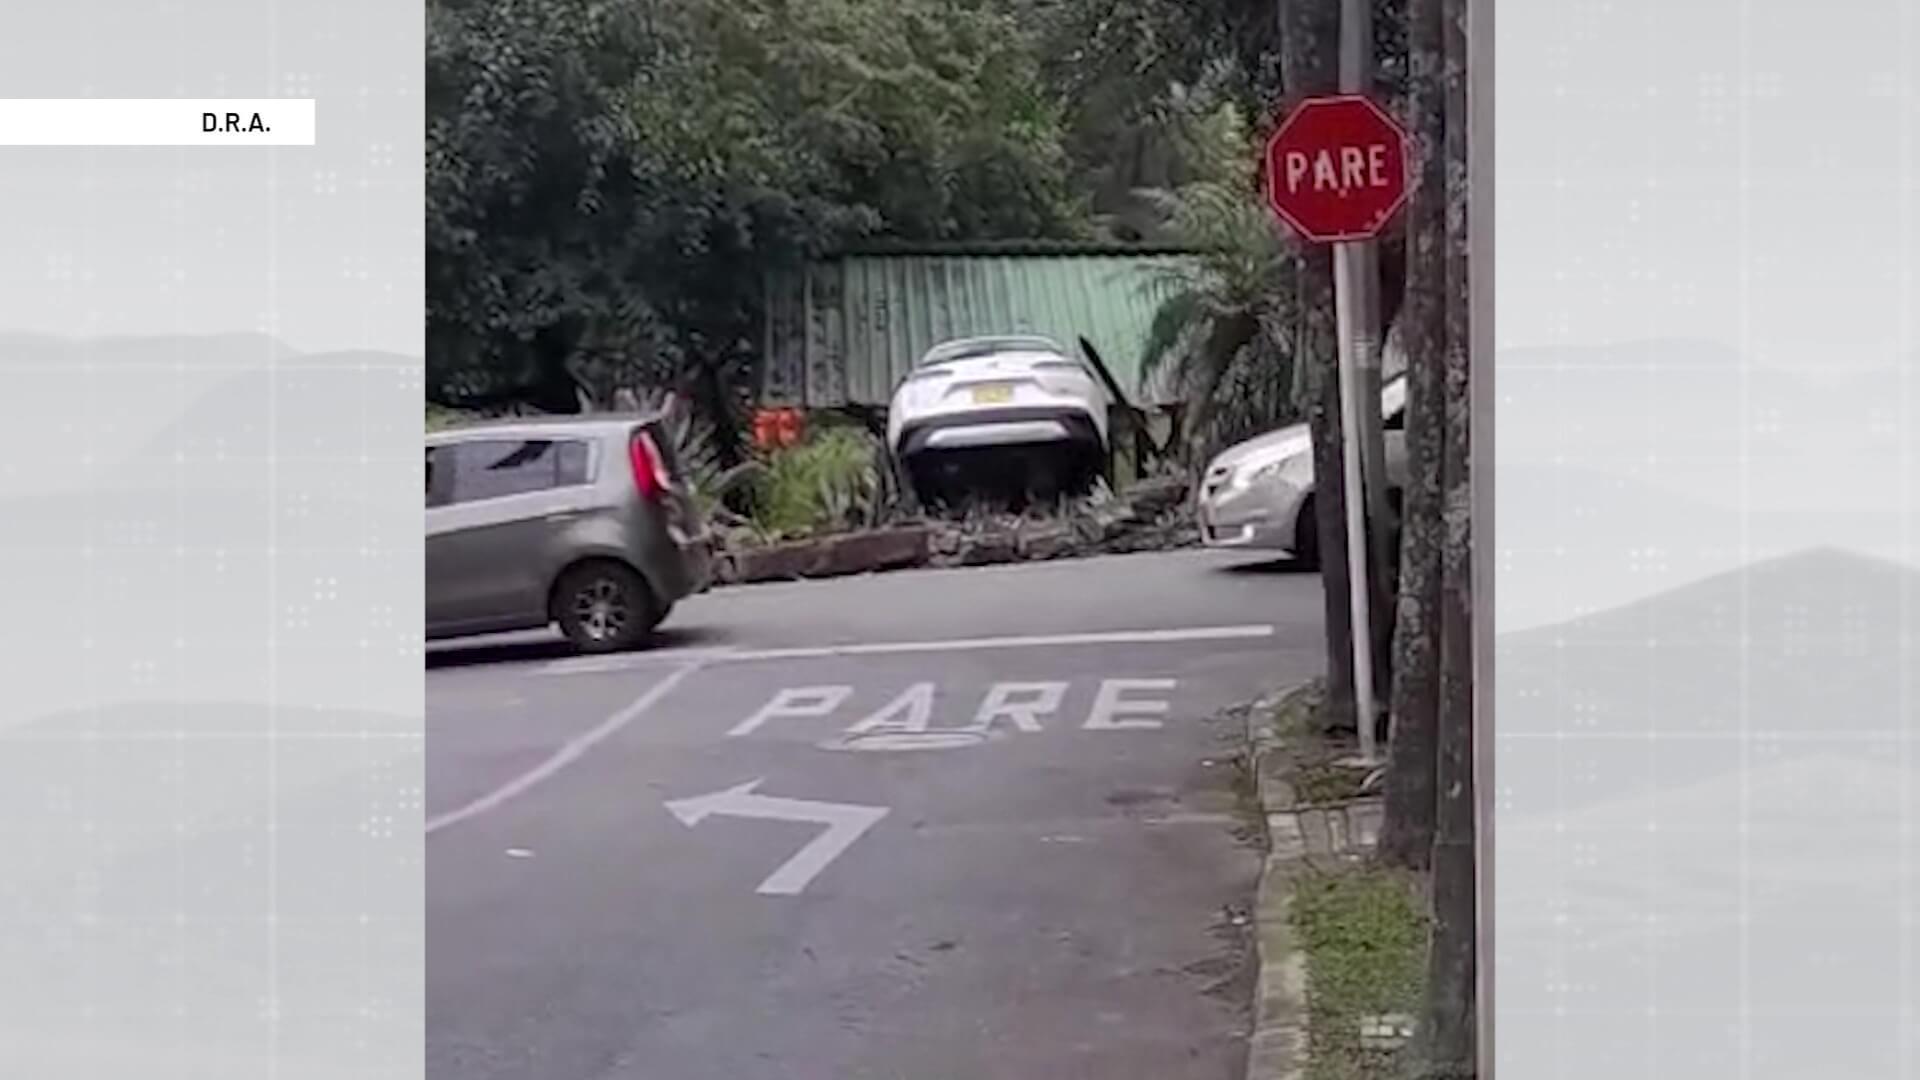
(563, 515)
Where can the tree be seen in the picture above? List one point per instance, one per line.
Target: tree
(524, 162)
(610, 182)
(1451, 980)
(1406, 835)
(1119, 66)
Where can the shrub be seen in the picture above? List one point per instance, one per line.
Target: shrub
(832, 481)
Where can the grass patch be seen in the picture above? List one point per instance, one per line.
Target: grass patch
(1323, 783)
(1296, 716)
(1364, 934)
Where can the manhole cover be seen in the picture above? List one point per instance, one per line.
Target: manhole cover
(900, 742)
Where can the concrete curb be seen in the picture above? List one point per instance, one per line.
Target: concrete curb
(1277, 1046)
(916, 547)
(1295, 834)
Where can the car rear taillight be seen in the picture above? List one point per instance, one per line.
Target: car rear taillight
(649, 467)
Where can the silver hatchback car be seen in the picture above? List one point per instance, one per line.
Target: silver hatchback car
(579, 521)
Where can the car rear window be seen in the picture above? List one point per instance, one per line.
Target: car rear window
(974, 348)
(498, 468)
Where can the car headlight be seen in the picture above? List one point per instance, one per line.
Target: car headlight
(1286, 469)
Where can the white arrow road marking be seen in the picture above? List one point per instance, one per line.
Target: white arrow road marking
(844, 824)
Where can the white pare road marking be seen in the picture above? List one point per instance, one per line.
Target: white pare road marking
(1118, 705)
(909, 713)
(794, 702)
(1111, 706)
(1020, 704)
(844, 823)
(1356, 168)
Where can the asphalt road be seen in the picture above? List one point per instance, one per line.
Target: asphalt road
(988, 829)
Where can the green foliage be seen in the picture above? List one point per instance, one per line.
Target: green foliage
(1364, 936)
(826, 484)
(439, 419)
(1134, 74)
(1221, 333)
(609, 182)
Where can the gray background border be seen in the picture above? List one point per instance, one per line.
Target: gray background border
(1481, 226)
(210, 555)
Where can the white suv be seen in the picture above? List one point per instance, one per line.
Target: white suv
(996, 394)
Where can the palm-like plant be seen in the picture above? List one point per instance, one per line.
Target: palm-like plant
(1220, 335)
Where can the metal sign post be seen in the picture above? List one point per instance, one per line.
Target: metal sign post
(1363, 278)
(1359, 561)
(1336, 171)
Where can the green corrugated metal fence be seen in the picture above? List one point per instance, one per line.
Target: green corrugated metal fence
(847, 329)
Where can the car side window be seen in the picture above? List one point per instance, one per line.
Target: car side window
(499, 468)
(1396, 420)
(573, 463)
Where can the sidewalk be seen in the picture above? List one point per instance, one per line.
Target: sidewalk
(1321, 914)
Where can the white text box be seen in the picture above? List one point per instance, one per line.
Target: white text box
(156, 122)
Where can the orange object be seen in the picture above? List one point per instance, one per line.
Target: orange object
(790, 426)
(777, 428)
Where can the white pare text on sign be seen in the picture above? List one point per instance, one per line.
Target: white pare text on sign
(1337, 169)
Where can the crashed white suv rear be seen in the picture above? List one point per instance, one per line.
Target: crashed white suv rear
(999, 404)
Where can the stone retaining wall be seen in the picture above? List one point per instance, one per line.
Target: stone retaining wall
(1151, 517)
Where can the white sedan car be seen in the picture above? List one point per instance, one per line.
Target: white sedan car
(999, 404)
(1259, 494)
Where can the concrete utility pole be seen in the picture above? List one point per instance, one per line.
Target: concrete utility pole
(1356, 77)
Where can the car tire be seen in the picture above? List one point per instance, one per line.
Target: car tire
(927, 482)
(1306, 536)
(906, 485)
(1307, 553)
(605, 607)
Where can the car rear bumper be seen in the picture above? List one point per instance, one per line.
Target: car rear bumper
(998, 427)
(697, 555)
(677, 564)
(696, 563)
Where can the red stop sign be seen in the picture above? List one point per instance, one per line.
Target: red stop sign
(1336, 168)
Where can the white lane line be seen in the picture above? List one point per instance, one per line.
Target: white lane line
(607, 665)
(570, 752)
(604, 665)
(1035, 641)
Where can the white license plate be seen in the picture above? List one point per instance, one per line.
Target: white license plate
(992, 395)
